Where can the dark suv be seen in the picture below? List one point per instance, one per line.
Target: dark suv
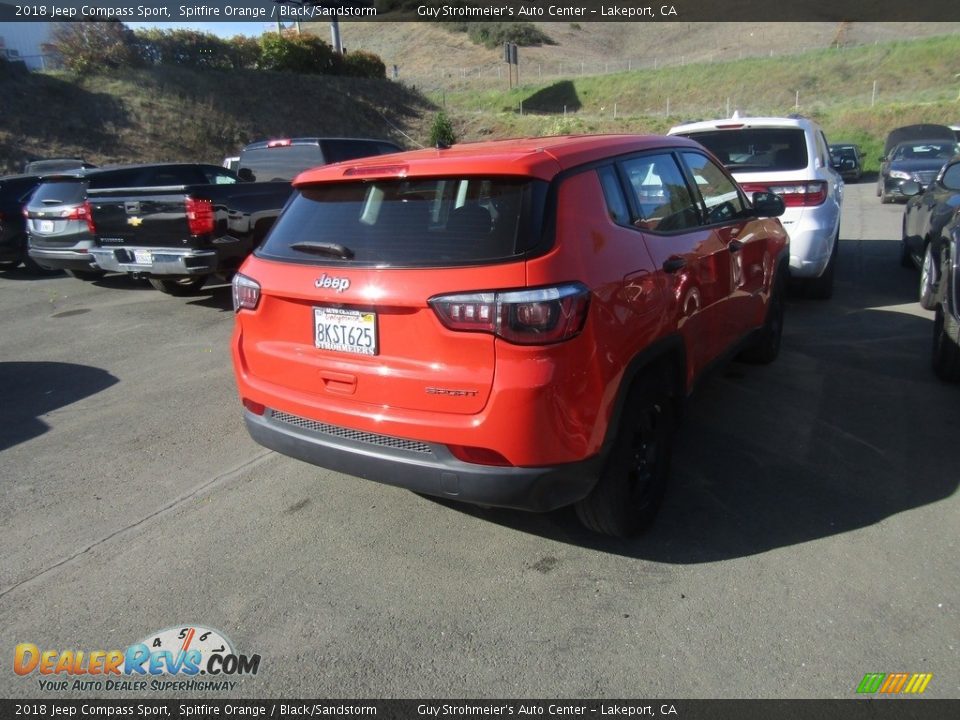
(506, 323)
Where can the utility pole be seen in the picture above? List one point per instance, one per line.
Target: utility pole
(335, 36)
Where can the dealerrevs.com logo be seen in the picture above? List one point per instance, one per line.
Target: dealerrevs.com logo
(175, 659)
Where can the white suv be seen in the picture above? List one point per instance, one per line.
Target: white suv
(788, 156)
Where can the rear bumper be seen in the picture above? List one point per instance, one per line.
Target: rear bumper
(62, 259)
(156, 261)
(811, 244)
(423, 467)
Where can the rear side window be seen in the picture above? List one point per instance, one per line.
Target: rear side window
(66, 192)
(756, 149)
(613, 193)
(282, 163)
(416, 222)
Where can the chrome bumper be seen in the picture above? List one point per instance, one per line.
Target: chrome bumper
(153, 261)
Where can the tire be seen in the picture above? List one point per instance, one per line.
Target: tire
(821, 288)
(929, 279)
(767, 345)
(885, 199)
(179, 287)
(945, 354)
(630, 490)
(879, 190)
(86, 275)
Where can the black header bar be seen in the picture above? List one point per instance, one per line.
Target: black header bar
(650, 11)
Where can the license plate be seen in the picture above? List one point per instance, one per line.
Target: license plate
(142, 257)
(46, 226)
(349, 331)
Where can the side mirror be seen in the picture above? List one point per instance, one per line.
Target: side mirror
(768, 204)
(245, 175)
(849, 164)
(883, 158)
(910, 188)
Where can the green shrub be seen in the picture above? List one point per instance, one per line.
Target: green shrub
(363, 64)
(441, 132)
(306, 54)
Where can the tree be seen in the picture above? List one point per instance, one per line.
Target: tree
(305, 54)
(89, 46)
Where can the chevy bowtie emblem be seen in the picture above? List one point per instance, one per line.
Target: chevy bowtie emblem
(135, 221)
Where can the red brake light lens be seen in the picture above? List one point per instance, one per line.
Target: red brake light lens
(381, 170)
(478, 455)
(279, 143)
(246, 293)
(254, 407)
(83, 212)
(795, 194)
(525, 317)
(199, 216)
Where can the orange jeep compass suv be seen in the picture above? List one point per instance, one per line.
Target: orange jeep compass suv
(508, 323)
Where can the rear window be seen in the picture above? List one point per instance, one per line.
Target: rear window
(756, 149)
(281, 163)
(66, 192)
(414, 222)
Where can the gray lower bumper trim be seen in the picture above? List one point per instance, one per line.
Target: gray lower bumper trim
(435, 473)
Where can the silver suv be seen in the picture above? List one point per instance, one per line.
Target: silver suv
(790, 157)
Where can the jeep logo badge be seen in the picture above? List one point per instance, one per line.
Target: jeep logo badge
(337, 283)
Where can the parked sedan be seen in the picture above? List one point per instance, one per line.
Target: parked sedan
(848, 161)
(927, 213)
(916, 160)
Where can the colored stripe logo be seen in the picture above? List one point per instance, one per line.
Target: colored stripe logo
(894, 683)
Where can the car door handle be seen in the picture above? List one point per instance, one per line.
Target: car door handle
(735, 246)
(672, 264)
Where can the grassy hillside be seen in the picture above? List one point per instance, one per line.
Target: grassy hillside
(175, 114)
(915, 83)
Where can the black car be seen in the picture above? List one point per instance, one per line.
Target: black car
(847, 160)
(60, 228)
(14, 192)
(914, 160)
(927, 213)
(938, 290)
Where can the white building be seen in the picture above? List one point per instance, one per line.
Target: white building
(24, 41)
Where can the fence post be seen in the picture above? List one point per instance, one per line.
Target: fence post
(873, 96)
(796, 104)
(614, 111)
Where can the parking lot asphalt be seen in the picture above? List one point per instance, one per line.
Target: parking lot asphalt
(809, 535)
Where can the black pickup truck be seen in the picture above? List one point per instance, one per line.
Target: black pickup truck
(179, 234)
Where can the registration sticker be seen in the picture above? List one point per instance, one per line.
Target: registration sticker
(348, 331)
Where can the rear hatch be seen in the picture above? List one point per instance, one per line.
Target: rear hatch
(347, 275)
(57, 214)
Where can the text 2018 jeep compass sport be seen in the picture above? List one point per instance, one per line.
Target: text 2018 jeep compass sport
(507, 323)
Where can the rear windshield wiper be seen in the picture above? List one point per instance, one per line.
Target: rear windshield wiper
(319, 248)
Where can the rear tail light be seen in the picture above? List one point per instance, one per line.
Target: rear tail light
(199, 216)
(795, 194)
(526, 317)
(279, 143)
(83, 212)
(246, 293)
